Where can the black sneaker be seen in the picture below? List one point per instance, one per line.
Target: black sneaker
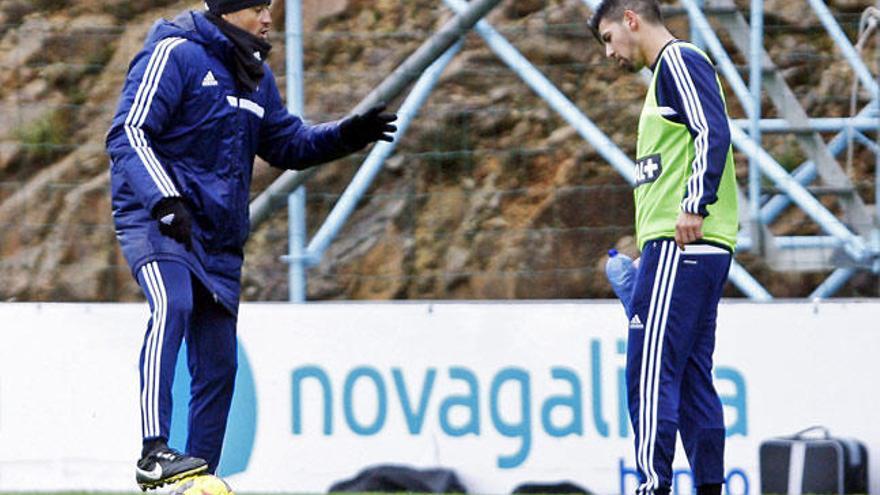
(165, 465)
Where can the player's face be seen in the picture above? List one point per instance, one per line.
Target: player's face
(620, 43)
(255, 20)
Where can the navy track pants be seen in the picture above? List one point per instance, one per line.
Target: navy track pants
(669, 362)
(182, 308)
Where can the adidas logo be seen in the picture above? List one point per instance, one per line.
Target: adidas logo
(636, 322)
(209, 80)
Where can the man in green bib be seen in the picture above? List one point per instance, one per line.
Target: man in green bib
(686, 226)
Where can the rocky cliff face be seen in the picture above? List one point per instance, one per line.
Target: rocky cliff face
(490, 195)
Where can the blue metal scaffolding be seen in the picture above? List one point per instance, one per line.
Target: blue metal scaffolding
(851, 240)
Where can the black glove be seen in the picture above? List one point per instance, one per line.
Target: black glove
(360, 130)
(174, 220)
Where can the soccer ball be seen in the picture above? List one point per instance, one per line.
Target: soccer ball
(204, 484)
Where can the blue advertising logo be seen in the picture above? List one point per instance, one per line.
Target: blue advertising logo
(241, 429)
(413, 393)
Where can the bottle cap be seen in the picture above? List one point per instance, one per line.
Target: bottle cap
(612, 253)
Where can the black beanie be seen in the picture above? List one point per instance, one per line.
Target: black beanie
(220, 7)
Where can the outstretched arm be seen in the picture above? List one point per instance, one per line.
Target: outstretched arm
(287, 142)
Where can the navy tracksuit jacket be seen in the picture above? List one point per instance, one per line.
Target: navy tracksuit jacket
(184, 129)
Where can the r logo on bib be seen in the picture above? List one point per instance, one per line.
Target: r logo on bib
(648, 169)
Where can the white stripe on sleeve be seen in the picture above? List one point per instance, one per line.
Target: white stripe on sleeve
(160, 284)
(140, 108)
(697, 118)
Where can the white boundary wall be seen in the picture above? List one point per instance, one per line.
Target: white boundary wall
(487, 373)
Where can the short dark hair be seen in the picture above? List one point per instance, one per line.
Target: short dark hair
(613, 9)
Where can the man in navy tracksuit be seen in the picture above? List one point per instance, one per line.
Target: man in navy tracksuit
(686, 227)
(198, 104)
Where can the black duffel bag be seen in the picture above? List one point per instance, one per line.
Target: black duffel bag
(562, 487)
(812, 461)
(394, 478)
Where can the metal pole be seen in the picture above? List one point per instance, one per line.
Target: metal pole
(807, 171)
(846, 47)
(592, 4)
(294, 57)
(546, 90)
(380, 152)
(389, 89)
(822, 124)
(834, 283)
(755, 81)
(867, 143)
(795, 242)
(747, 284)
(875, 234)
(811, 206)
(696, 37)
(725, 64)
(296, 271)
(569, 111)
(805, 174)
(296, 201)
(808, 241)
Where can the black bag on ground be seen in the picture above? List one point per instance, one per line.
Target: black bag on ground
(561, 487)
(812, 461)
(392, 478)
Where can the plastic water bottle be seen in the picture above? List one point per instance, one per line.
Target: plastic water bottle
(622, 275)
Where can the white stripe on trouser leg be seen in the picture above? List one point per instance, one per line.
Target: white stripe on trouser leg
(160, 345)
(147, 346)
(149, 359)
(649, 358)
(654, 355)
(649, 378)
(155, 350)
(650, 409)
(149, 351)
(640, 450)
(655, 399)
(642, 464)
(153, 359)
